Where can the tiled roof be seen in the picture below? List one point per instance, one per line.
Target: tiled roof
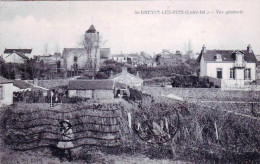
(126, 55)
(4, 80)
(226, 55)
(22, 84)
(120, 85)
(104, 53)
(134, 55)
(91, 29)
(22, 55)
(119, 55)
(19, 52)
(91, 85)
(25, 51)
(122, 74)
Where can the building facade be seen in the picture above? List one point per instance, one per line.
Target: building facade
(16, 55)
(92, 89)
(232, 67)
(121, 58)
(167, 58)
(6, 92)
(54, 61)
(87, 58)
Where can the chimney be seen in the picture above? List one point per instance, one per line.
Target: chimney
(137, 73)
(111, 73)
(204, 48)
(249, 49)
(35, 81)
(124, 69)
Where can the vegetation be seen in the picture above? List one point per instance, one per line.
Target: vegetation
(204, 132)
(28, 70)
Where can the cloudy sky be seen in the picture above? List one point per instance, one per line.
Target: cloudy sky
(61, 24)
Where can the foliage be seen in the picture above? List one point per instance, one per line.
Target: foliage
(28, 70)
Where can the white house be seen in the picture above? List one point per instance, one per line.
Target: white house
(6, 92)
(16, 55)
(121, 58)
(230, 67)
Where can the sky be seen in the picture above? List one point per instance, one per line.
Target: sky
(58, 25)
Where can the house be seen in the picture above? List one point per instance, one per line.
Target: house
(87, 58)
(6, 92)
(128, 79)
(142, 60)
(121, 58)
(168, 58)
(16, 55)
(135, 59)
(230, 67)
(92, 89)
(55, 60)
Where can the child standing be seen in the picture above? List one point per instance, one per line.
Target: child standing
(65, 144)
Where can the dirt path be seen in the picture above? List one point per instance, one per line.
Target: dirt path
(37, 157)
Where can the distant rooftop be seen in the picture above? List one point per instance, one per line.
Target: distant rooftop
(91, 85)
(25, 51)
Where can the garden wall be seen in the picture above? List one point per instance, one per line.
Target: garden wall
(205, 94)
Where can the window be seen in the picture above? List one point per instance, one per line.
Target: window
(247, 73)
(232, 73)
(75, 66)
(218, 57)
(1, 92)
(219, 73)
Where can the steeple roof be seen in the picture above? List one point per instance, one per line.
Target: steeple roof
(91, 29)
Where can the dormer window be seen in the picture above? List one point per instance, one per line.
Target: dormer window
(239, 58)
(218, 57)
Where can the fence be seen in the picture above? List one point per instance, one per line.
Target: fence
(32, 126)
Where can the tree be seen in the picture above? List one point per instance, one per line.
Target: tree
(91, 42)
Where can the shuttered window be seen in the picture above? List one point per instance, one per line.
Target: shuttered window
(232, 73)
(247, 73)
(219, 73)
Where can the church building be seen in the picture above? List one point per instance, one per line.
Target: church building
(86, 58)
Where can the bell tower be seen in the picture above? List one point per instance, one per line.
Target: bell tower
(92, 46)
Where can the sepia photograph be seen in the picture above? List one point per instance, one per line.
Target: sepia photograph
(130, 82)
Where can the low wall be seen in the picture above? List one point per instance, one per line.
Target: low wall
(215, 81)
(214, 94)
(232, 83)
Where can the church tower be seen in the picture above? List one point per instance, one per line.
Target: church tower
(92, 42)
